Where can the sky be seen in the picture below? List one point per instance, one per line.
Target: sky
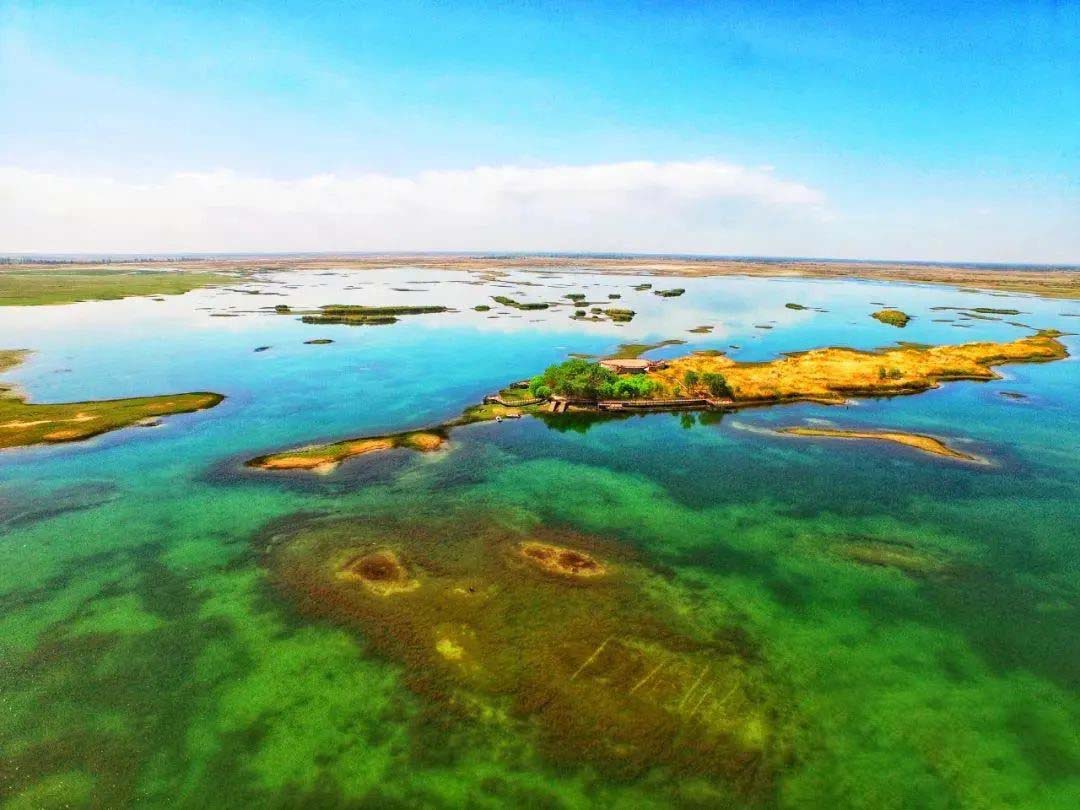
(929, 131)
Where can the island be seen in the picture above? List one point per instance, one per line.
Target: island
(357, 315)
(917, 441)
(23, 423)
(707, 380)
(892, 317)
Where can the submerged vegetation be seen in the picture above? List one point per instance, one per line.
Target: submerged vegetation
(559, 631)
(902, 557)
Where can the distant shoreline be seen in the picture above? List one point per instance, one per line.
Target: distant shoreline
(20, 258)
(1046, 281)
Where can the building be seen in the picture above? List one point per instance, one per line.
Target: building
(632, 365)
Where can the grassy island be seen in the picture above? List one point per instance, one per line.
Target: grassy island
(23, 423)
(711, 380)
(347, 319)
(510, 302)
(893, 317)
(355, 315)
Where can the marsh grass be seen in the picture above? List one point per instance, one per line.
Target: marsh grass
(62, 286)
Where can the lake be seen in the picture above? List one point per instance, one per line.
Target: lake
(781, 621)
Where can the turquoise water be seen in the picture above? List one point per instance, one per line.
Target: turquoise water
(151, 653)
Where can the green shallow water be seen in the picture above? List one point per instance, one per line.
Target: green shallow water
(149, 655)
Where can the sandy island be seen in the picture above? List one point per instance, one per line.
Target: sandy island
(918, 441)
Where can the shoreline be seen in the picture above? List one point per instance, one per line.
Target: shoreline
(1049, 282)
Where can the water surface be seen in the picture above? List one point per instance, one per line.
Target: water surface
(150, 655)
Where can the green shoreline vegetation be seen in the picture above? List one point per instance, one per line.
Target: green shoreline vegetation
(60, 285)
(23, 423)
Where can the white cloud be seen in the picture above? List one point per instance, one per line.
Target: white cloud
(702, 206)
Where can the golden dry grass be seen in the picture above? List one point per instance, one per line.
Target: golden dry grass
(833, 374)
(325, 457)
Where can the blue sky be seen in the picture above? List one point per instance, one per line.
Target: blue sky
(895, 130)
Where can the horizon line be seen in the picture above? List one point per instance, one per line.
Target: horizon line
(166, 256)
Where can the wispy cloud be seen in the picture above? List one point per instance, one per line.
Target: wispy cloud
(706, 206)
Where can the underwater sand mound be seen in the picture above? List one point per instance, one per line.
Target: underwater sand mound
(897, 555)
(381, 572)
(591, 662)
(565, 561)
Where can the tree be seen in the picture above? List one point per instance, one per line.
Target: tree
(574, 378)
(716, 384)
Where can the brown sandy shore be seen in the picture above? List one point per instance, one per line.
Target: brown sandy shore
(1050, 282)
(916, 441)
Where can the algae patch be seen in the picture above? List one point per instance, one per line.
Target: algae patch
(562, 561)
(561, 631)
(896, 555)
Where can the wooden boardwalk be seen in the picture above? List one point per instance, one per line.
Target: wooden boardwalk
(514, 403)
(660, 404)
(560, 404)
